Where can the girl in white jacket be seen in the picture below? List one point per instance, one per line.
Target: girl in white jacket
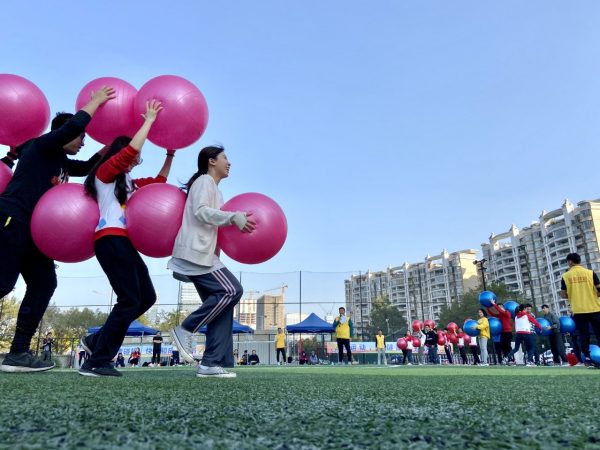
(196, 256)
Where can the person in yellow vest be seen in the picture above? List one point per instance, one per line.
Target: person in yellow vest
(581, 287)
(380, 340)
(343, 331)
(483, 325)
(280, 345)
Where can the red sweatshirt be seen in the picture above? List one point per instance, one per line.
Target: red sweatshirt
(504, 316)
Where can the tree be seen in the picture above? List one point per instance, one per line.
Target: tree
(9, 308)
(69, 325)
(387, 318)
(458, 312)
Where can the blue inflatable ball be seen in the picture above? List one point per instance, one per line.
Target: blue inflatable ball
(495, 326)
(544, 323)
(469, 328)
(511, 306)
(567, 325)
(595, 353)
(486, 297)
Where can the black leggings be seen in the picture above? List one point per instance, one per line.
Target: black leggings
(341, 344)
(156, 355)
(282, 351)
(129, 278)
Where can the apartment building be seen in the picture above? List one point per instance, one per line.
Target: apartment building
(532, 260)
(418, 290)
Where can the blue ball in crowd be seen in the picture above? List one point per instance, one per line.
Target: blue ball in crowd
(486, 298)
(469, 328)
(511, 306)
(595, 353)
(567, 324)
(543, 331)
(495, 326)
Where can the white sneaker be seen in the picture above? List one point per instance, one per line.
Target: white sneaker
(409, 364)
(214, 372)
(530, 365)
(183, 341)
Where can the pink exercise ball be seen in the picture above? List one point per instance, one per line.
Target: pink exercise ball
(401, 343)
(114, 118)
(24, 110)
(153, 216)
(268, 237)
(184, 116)
(5, 176)
(63, 223)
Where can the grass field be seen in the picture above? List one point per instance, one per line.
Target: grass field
(304, 408)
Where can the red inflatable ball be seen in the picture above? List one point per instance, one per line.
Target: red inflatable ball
(452, 327)
(416, 342)
(452, 338)
(24, 110)
(265, 241)
(5, 176)
(184, 116)
(401, 343)
(417, 325)
(467, 339)
(429, 323)
(153, 216)
(63, 223)
(114, 118)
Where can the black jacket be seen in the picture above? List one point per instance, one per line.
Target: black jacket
(42, 165)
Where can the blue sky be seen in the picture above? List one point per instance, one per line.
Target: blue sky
(386, 131)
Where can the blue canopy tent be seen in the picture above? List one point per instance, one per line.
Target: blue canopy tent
(237, 328)
(136, 328)
(313, 324)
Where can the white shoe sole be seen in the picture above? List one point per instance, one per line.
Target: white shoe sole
(20, 369)
(217, 375)
(88, 374)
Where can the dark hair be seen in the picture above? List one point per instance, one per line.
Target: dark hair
(545, 306)
(205, 154)
(121, 188)
(521, 307)
(59, 120)
(528, 305)
(483, 311)
(574, 258)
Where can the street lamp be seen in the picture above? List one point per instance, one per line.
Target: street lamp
(481, 266)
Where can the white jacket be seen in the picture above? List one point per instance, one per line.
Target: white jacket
(197, 238)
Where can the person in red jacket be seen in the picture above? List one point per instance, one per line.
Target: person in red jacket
(497, 310)
(523, 321)
(110, 184)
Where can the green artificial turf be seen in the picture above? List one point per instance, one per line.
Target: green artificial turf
(304, 408)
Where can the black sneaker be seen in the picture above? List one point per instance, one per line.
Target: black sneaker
(105, 371)
(87, 344)
(25, 362)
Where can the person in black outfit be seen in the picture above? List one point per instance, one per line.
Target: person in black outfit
(431, 341)
(43, 163)
(120, 361)
(253, 359)
(47, 346)
(156, 348)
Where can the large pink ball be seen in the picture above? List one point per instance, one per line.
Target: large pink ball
(115, 117)
(153, 216)
(5, 176)
(268, 237)
(63, 223)
(184, 116)
(24, 110)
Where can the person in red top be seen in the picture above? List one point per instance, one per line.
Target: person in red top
(497, 310)
(110, 185)
(523, 321)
